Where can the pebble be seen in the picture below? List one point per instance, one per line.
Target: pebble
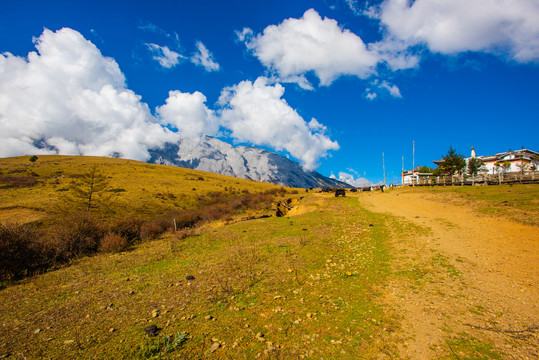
(67, 342)
(155, 313)
(37, 331)
(214, 347)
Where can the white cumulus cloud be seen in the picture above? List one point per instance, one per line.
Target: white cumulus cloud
(166, 57)
(311, 44)
(189, 114)
(359, 182)
(204, 58)
(257, 113)
(68, 98)
(502, 27)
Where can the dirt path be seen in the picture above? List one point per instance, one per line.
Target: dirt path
(473, 280)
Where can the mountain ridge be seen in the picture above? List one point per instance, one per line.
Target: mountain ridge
(248, 162)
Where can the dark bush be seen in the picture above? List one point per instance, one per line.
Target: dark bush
(21, 251)
(184, 219)
(216, 211)
(17, 181)
(75, 235)
(252, 201)
(129, 228)
(113, 243)
(151, 230)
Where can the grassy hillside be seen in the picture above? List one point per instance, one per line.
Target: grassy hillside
(304, 286)
(29, 191)
(60, 208)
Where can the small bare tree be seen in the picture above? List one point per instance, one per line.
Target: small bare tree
(87, 193)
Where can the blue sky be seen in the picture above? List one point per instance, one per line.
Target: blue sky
(374, 75)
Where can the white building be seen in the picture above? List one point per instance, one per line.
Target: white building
(513, 161)
(412, 177)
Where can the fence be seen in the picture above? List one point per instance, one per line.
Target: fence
(528, 177)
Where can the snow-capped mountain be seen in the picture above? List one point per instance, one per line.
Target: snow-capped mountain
(247, 162)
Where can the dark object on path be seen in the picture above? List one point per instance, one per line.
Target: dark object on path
(151, 330)
(189, 277)
(340, 192)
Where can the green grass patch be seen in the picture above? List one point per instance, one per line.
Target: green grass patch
(468, 347)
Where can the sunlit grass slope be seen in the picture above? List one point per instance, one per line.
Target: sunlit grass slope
(304, 286)
(140, 189)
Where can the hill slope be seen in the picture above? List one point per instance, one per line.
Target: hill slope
(29, 191)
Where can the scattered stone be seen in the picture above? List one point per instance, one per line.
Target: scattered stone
(155, 313)
(208, 317)
(111, 330)
(260, 337)
(277, 297)
(214, 347)
(68, 342)
(131, 292)
(151, 330)
(189, 277)
(37, 331)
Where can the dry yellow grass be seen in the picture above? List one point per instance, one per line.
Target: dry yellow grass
(142, 189)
